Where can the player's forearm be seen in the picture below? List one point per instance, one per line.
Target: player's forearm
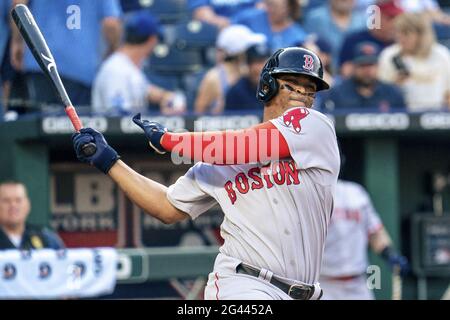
(380, 240)
(147, 194)
(15, 34)
(208, 15)
(257, 144)
(112, 31)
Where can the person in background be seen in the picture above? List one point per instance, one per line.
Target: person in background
(242, 95)
(218, 13)
(381, 35)
(354, 226)
(5, 6)
(231, 45)
(418, 64)
(120, 86)
(277, 21)
(363, 90)
(333, 21)
(430, 8)
(72, 30)
(15, 233)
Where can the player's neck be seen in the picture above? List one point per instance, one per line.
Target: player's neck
(271, 111)
(14, 230)
(135, 54)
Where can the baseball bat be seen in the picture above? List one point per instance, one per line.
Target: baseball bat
(396, 284)
(35, 41)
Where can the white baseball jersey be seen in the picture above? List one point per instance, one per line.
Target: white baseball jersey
(354, 219)
(120, 86)
(276, 216)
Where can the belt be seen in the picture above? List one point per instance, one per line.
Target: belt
(343, 278)
(296, 291)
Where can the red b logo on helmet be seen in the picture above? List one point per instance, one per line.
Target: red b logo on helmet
(309, 62)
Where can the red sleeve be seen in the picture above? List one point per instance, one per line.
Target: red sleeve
(260, 143)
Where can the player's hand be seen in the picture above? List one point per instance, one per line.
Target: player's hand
(153, 131)
(401, 262)
(396, 260)
(105, 156)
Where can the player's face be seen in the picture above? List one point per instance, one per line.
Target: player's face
(14, 205)
(295, 91)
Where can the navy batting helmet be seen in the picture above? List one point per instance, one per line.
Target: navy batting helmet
(293, 60)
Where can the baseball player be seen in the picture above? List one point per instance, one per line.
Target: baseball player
(354, 225)
(274, 183)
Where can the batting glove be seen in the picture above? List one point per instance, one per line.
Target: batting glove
(153, 131)
(105, 156)
(396, 260)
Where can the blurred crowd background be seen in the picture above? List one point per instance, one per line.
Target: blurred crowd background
(203, 57)
(200, 56)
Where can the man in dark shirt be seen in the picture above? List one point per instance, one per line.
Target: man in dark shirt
(363, 90)
(382, 35)
(15, 233)
(242, 95)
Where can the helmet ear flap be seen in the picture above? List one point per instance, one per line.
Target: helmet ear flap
(268, 87)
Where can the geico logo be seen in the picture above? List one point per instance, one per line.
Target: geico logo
(172, 123)
(394, 121)
(223, 122)
(52, 125)
(435, 121)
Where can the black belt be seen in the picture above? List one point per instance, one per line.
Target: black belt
(295, 291)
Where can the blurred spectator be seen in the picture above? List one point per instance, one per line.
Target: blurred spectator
(354, 226)
(382, 36)
(231, 44)
(429, 7)
(121, 86)
(219, 12)
(242, 96)
(5, 6)
(363, 90)
(14, 231)
(72, 30)
(333, 21)
(417, 63)
(277, 21)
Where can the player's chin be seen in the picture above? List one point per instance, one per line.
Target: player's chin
(294, 103)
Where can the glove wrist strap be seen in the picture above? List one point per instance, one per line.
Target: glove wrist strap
(106, 159)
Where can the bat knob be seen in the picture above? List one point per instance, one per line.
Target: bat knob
(89, 149)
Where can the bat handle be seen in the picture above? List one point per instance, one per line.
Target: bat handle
(88, 149)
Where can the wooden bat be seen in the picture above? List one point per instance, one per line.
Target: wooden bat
(34, 39)
(396, 284)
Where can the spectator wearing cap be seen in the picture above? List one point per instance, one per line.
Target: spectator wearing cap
(121, 86)
(382, 35)
(219, 13)
(363, 90)
(418, 64)
(242, 95)
(232, 42)
(277, 21)
(73, 32)
(333, 21)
